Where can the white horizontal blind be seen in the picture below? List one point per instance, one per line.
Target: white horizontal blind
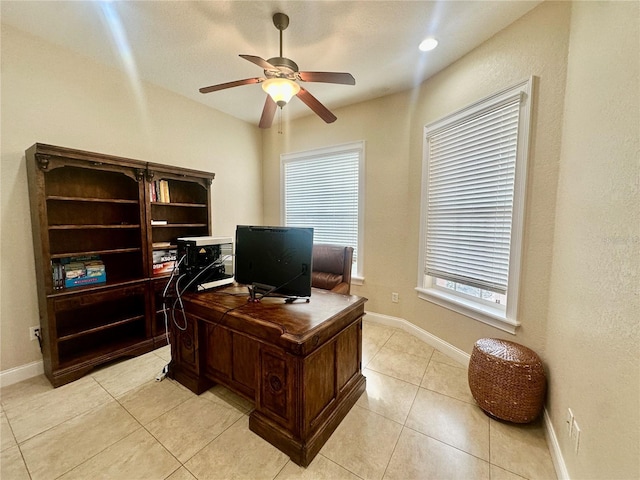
(322, 192)
(470, 186)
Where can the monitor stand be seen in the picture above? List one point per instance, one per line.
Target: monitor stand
(257, 291)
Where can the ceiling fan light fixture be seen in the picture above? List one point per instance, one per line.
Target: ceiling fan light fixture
(280, 90)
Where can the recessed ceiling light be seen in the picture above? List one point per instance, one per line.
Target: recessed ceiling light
(428, 44)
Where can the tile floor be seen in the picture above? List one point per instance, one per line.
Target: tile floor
(417, 420)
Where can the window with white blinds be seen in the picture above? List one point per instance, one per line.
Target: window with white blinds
(470, 198)
(473, 193)
(323, 189)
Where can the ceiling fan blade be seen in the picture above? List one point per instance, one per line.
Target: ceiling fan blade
(237, 83)
(313, 103)
(261, 62)
(328, 77)
(268, 112)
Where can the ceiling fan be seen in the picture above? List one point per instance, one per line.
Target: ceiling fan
(280, 81)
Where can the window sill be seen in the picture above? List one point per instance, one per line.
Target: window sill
(483, 313)
(357, 280)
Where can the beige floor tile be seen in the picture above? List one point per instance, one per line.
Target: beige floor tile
(7, 440)
(448, 380)
(58, 450)
(442, 358)
(521, 449)
(374, 336)
(451, 421)
(369, 350)
(400, 365)
(321, 468)
(420, 457)
(138, 456)
(388, 396)
(33, 414)
(191, 425)
(498, 473)
(164, 353)
(181, 474)
(237, 453)
(153, 399)
(12, 465)
(126, 375)
(363, 443)
(223, 395)
(376, 332)
(24, 389)
(404, 342)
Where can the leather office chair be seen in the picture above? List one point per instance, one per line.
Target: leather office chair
(332, 268)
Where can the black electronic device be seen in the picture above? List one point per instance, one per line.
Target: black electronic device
(274, 260)
(205, 262)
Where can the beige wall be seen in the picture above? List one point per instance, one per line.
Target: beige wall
(392, 128)
(50, 95)
(579, 284)
(593, 341)
(579, 299)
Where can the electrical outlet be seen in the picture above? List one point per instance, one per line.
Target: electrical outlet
(34, 333)
(575, 436)
(395, 298)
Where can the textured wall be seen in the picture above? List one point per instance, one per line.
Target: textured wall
(593, 337)
(50, 95)
(392, 128)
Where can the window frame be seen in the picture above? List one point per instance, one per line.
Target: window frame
(505, 319)
(357, 276)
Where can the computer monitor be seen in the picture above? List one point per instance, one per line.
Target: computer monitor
(274, 260)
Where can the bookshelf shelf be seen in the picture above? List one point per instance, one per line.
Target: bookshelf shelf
(96, 287)
(173, 204)
(90, 227)
(87, 206)
(78, 356)
(65, 336)
(60, 198)
(180, 225)
(94, 252)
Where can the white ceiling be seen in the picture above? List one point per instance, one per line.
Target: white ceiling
(185, 45)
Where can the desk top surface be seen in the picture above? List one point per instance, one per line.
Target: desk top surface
(298, 322)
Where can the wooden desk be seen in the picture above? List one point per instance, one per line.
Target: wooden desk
(301, 363)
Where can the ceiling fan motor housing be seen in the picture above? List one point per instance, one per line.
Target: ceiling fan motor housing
(286, 68)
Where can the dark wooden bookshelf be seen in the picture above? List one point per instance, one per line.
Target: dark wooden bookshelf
(87, 204)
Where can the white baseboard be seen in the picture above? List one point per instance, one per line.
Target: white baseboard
(554, 448)
(449, 350)
(463, 358)
(23, 372)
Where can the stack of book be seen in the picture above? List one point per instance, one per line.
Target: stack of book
(164, 261)
(77, 271)
(159, 191)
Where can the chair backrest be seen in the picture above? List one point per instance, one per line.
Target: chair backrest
(332, 267)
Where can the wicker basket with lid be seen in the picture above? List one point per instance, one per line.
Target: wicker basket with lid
(507, 380)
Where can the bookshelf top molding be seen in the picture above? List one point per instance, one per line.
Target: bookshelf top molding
(51, 156)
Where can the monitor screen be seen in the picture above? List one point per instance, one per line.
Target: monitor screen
(275, 259)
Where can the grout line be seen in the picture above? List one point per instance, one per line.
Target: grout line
(448, 444)
(393, 450)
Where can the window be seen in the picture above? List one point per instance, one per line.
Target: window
(324, 189)
(474, 173)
